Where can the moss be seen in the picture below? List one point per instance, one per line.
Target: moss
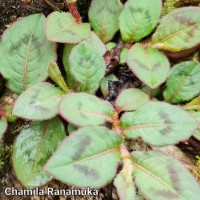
(4, 155)
(170, 5)
(196, 169)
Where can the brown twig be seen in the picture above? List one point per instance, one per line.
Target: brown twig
(74, 11)
(112, 57)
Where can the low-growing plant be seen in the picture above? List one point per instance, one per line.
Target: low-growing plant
(96, 151)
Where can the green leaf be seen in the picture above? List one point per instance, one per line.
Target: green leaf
(167, 178)
(149, 65)
(94, 41)
(110, 45)
(87, 66)
(152, 92)
(124, 183)
(104, 86)
(131, 99)
(71, 128)
(55, 74)
(33, 147)
(66, 52)
(104, 18)
(84, 109)
(3, 127)
(196, 115)
(38, 102)
(139, 18)
(183, 83)
(82, 159)
(197, 134)
(178, 30)
(159, 124)
(25, 53)
(62, 27)
(123, 55)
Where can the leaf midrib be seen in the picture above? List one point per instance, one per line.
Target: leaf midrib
(27, 57)
(176, 33)
(90, 157)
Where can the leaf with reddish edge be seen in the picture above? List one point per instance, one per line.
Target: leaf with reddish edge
(38, 102)
(96, 42)
(159, 124)
(178, 30)
(87, 158)
(131, 99)
(160, 177)
(149, 65)
(25, 53)
(104, 18)
(62, 27)
(33, 147)
(183, 82)
(93, 40)
(83, 109)
(139, 18)
(87, 66)
(3, 127)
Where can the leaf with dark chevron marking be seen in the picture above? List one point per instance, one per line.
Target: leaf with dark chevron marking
(167, 178)
(139, 18)
(178, 30)
(149, 65)
(159, 124)
(87, 158)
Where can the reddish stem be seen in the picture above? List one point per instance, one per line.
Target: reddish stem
(2, 113)
(74, 11)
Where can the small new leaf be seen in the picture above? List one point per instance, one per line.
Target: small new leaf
(178, 30)
(94, 41)
(87, 66)
(104, 18)
(62, 27)
(3, 127)
(124, 182)
(183, 82)
(84, 109)
(55, 74)
(159, 124)
(167, 178)
(139, 18)
(33, 147)
(82, 159)
(149, 65)
(38, 102)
